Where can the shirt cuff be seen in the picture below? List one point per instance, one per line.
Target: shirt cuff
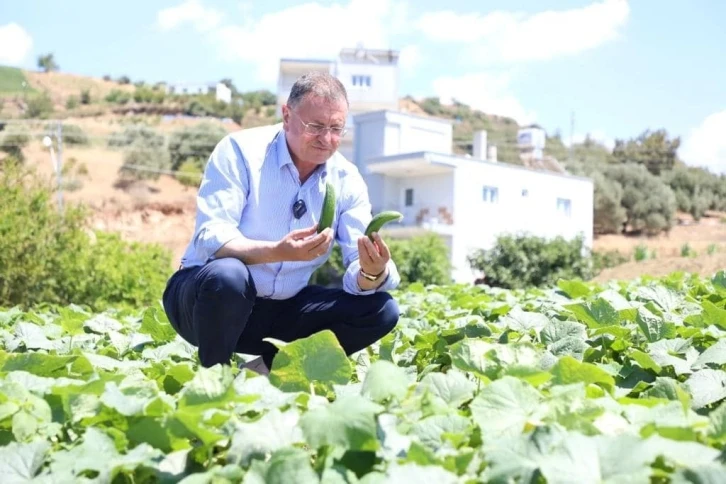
(350, 279)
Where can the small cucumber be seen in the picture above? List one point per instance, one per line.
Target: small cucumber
(327, 211)
(382, 219)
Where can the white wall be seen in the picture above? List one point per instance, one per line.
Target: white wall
(478, 222)
(384, 133)
(382, 92)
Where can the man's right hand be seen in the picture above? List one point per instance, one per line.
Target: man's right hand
(304, 244)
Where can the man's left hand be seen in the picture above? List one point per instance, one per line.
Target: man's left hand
(373, 255)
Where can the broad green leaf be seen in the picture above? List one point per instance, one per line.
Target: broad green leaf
(430, 429)
(349, 423)
(470, 355)
(701, 474)
(707, 387)
(20, 463)
(275, 430)
(507, 407)
(574, 289)
(715, 354)
(155, 323)
(595, 314)
(654, 327)
(713, 314)
(48, 365)
(524, 321)
(569, 370)
(719, 282)
(210, 388)
(383, 381)
(452, 387)
(316, 359)
(414, 473)
(565, 338)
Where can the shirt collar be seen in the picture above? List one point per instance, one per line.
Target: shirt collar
(283, 154)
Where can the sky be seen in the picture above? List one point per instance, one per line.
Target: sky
(614, 67)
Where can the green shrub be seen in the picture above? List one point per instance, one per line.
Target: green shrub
(641, 252)
(13, 139)
(607, 260)
(190, 173)
(423, 259)
(195, 142)
(522, 261)
(46, 257)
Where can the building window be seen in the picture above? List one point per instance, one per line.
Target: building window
(525, 192)
(564, 206)
(491, 194)
(361, 81)
(409, 197)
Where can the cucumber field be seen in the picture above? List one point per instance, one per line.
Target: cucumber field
(579, 383)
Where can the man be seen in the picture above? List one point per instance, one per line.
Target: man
(245, 273)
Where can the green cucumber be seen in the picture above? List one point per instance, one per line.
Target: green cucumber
(382, 219)
(327, 211)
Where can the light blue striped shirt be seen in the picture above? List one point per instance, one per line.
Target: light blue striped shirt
(249, 187)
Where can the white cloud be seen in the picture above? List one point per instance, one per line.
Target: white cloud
(410, 58)
(15, 44)
(309, 30)
(485, 91)
(515, 37)
(190, 12)
(705, 145)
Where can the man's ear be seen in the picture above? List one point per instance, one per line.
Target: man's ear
(285, 115)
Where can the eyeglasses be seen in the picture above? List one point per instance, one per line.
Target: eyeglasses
(317, 129)
(299, 208)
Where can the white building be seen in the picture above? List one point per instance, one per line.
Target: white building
(221, 91)
(370, 77)
(408, 164)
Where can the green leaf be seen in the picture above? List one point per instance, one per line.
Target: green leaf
(569, 370)
(524, 321)
(316, 359)
(384, 381)
(19, 463)
(654, 327)
(348, 423)
(574, 289)
(470, 355)
(155, 323)
(453, 387)
(273, 431)
(707, 387)
(713, 314)
(507, 407)
(595, 314)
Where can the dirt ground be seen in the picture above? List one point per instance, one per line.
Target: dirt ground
(162, 211)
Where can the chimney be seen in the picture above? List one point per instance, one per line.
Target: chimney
(480, 145)
(492, 154)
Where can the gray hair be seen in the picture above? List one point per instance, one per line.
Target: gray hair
(320, 84)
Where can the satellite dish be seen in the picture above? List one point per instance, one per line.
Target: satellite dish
(47, 141)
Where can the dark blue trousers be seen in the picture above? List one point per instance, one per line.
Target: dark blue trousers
(215, 308)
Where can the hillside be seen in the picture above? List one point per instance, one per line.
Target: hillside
(162, 209)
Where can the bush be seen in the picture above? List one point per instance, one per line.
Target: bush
(522, 261)
(13, 139)
(649, 203)
(39, 106)
(190, 173)
(607, 260)
(51, 258)
(423, 259)
(142, 163)
(195, 142)
(136, 135)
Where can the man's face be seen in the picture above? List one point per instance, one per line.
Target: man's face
(305, 144)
